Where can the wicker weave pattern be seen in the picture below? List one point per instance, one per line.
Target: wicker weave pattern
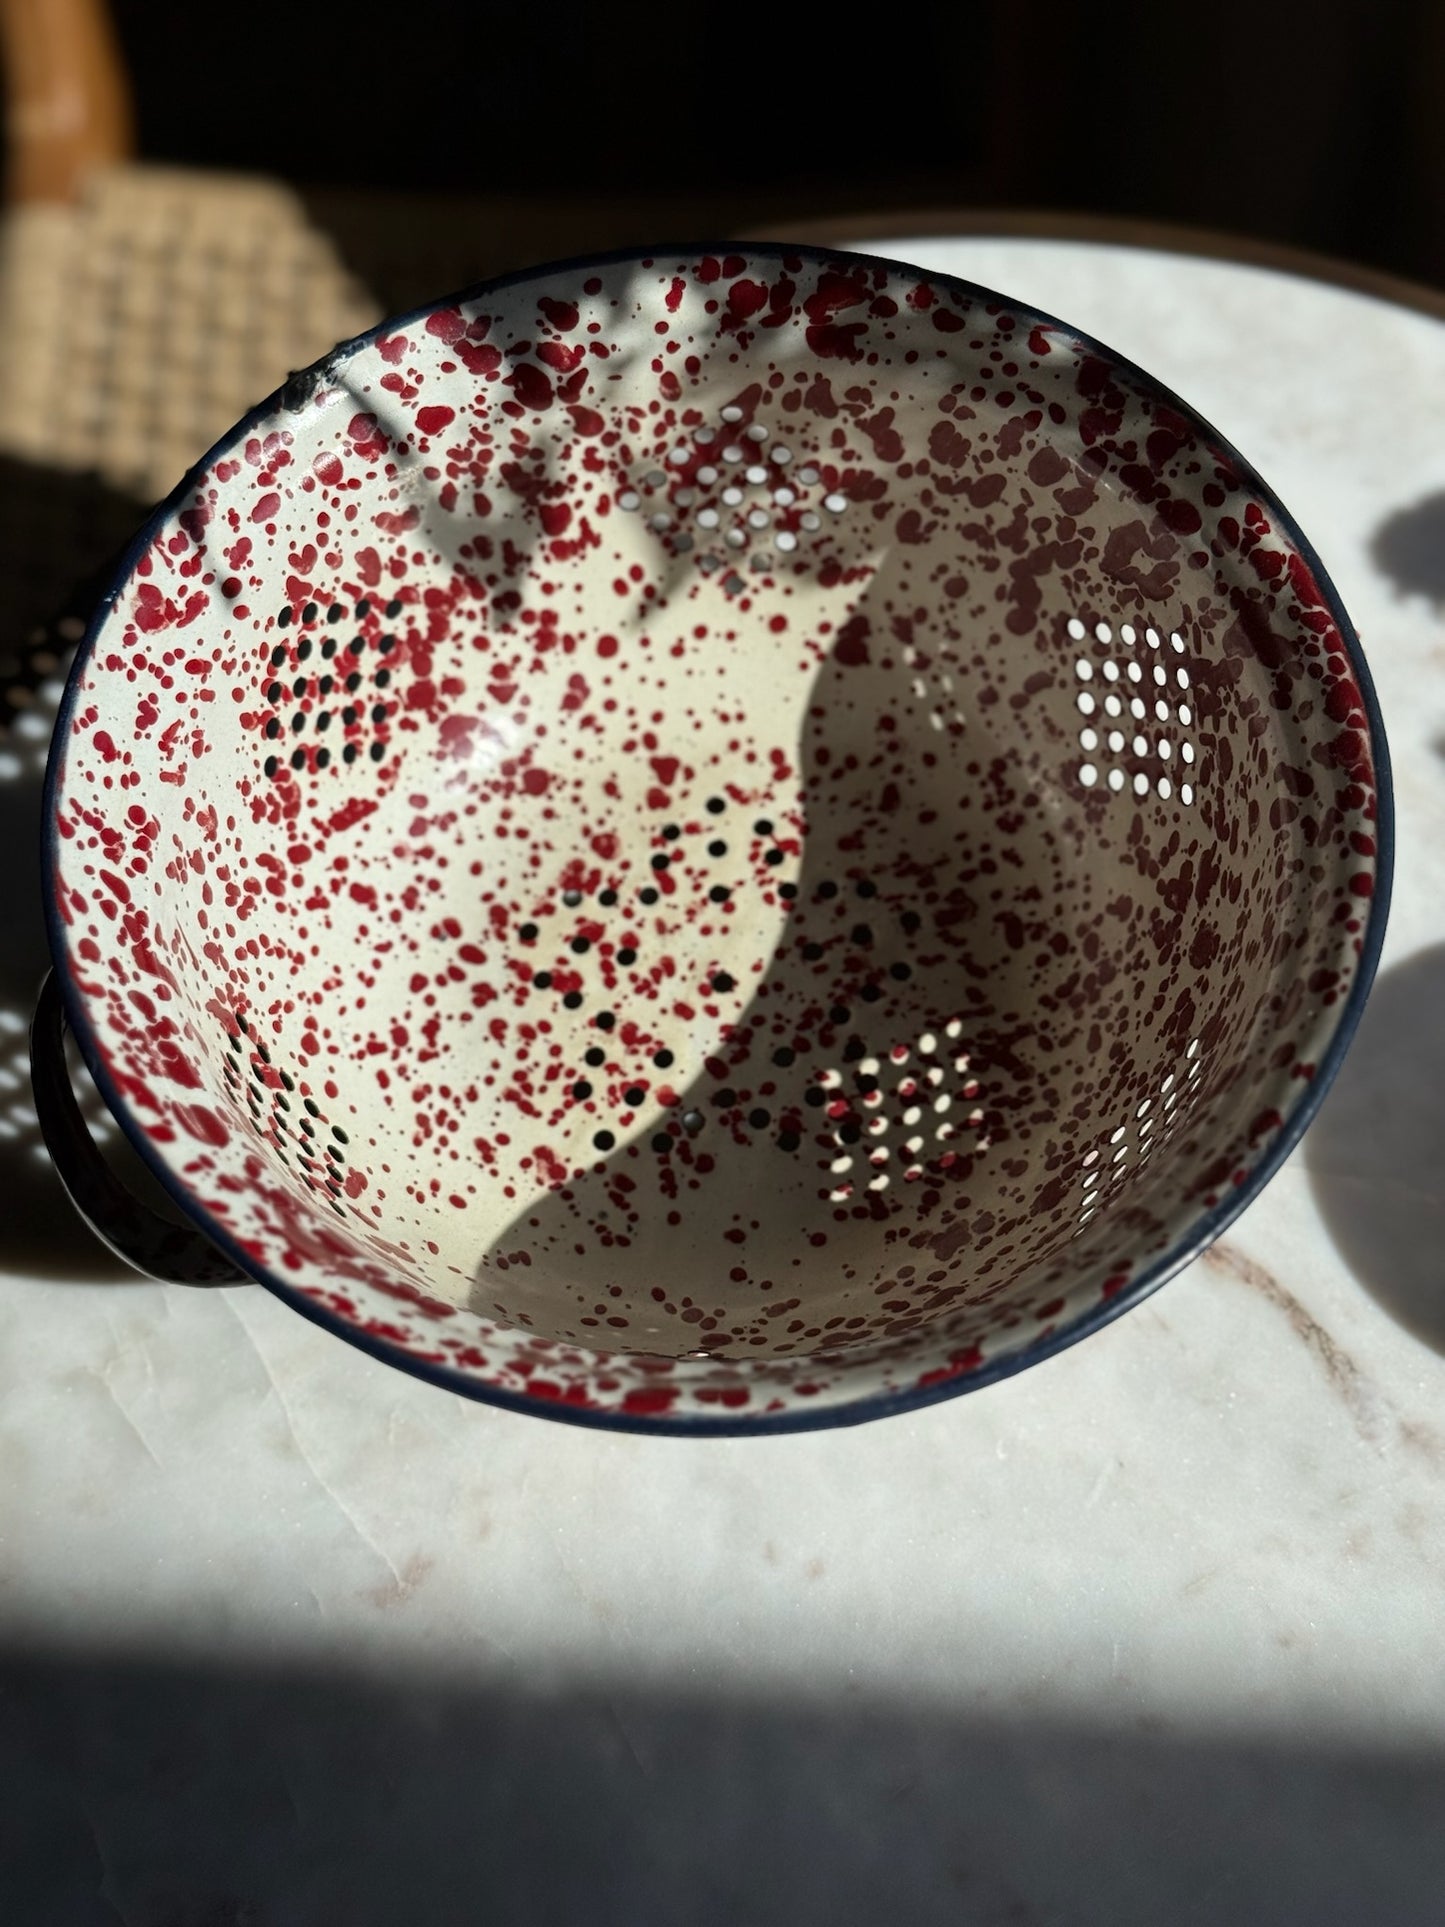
(140, 323)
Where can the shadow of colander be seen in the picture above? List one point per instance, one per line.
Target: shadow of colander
(57, 531)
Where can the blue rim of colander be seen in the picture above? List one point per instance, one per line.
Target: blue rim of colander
(1200, 1235)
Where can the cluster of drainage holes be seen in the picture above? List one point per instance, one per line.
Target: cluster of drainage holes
(566, 978)
(336, 688)
(634, 1089)
(292, 1125)
(907, 1093)
(737, 484)
(1132, 706)
(1131, 1145)
(943, 712)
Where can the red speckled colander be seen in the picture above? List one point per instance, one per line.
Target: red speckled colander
(711, 841)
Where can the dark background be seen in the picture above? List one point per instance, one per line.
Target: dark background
(1319, 123)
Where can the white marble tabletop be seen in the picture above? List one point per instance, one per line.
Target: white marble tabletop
(1153, 1633)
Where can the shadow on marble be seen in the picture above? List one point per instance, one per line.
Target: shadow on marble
(1376, 1153)
(1409, 549)
(57, 532)
(149, 1794)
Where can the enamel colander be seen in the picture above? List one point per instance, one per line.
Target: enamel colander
(713, 839)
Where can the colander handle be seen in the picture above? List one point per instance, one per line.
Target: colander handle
(141, 1237)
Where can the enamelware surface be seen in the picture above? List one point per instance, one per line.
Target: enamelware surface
(718, 838)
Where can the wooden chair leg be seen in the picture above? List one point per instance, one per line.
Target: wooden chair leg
(67, 99)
